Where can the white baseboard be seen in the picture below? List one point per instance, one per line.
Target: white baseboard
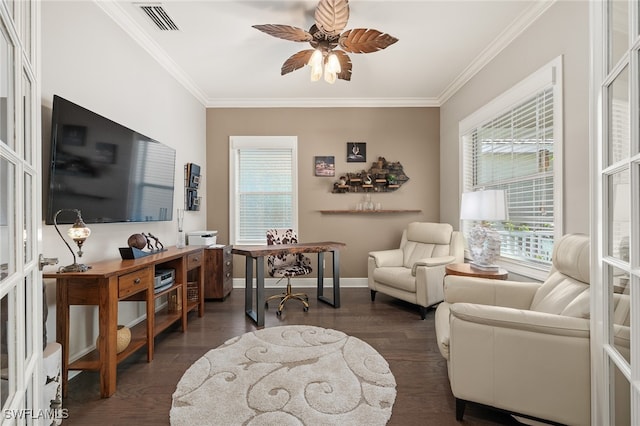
(305, 282)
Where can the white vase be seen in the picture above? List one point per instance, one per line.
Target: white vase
(484, 245)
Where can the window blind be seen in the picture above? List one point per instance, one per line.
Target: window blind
(515, 152)
(265, 193)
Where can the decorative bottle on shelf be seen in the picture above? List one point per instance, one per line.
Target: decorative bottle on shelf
(180, 241)
(368, 203)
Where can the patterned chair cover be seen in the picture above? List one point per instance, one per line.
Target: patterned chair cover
(286, 265)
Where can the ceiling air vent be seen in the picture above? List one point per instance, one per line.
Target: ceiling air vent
(159, 17)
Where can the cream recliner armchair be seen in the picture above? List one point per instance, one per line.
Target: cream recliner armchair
(415, 271)
(522, 347)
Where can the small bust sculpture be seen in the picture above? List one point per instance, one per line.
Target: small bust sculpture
(138, 241)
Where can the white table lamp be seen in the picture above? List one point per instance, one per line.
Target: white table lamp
(484, 242)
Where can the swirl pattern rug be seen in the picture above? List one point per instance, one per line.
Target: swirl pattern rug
(290, 375)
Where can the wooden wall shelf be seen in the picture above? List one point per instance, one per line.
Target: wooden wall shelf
(368, 211)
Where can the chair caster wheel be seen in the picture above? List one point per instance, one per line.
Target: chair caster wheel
(279, 313)
(306, 309)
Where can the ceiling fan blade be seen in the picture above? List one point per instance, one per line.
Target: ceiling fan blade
(285, 32)
(332, 16)
(365, 40)
(345, 65)
(296, 61)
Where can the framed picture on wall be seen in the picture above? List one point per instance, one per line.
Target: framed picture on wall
(356, 152)
(325, 165)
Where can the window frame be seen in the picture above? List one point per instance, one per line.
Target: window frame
(550, 75)
(236, 144)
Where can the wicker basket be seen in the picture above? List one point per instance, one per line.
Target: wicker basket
(192, 291)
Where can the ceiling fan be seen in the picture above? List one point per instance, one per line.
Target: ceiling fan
(325, 36)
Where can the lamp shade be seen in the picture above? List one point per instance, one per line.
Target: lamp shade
(488, 205)
(79, 230)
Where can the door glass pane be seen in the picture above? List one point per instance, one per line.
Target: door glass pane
(7, 347)
(7, 219)
(618, 30)
(6, 90)
(29, 283)
(619, 215)
(25, 36)
(619, 118)
(620, 392)
(620, 302)
(10, 6)
(27, 233)
(27, 118)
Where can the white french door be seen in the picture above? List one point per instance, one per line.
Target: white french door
(615, 212)
(21, 312)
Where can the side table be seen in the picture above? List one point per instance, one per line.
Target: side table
(466, 270)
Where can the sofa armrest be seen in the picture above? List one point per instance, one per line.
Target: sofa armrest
(521, 361)
(387, 257)
(432, 261)
(485, 291)
(519, 319)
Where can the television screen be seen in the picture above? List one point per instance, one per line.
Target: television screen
(107, 171)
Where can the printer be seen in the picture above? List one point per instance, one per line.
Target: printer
(201, 238)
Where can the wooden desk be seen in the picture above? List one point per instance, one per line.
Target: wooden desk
(257, 254)
(111, 281)
(466, 270)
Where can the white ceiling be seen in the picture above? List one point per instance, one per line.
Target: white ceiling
(225, 62)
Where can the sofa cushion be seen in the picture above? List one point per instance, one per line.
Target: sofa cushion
(397, 277)
(431, 233)
(579, 307)
(414, 251)
(556, 293)
(425, 240)
(571, 257)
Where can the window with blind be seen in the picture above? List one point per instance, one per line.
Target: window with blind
(516, 149)
(263, 192)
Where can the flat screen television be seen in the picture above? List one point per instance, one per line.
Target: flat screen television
(107, 171)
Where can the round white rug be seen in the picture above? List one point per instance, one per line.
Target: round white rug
(290, 375)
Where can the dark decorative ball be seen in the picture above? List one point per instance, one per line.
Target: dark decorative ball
(138, 241)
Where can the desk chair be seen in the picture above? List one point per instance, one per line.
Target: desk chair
(287, 266)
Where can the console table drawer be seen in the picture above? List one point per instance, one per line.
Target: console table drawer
(194, 260)
(134, 282)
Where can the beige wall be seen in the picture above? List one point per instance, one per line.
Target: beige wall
(562, 30)
(408, 135)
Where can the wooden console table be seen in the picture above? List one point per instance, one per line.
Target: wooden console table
(112, 281)
(258, 253)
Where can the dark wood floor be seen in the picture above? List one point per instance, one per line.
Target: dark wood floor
(392, 327)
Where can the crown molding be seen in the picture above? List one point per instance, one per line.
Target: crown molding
(131, 27)
(505, 38)
(323, 103)
(135, 31)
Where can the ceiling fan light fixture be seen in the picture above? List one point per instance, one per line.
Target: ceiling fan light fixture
(333, 64)
(331, 68)
(316, 58)
(316, 72)
(325, 34)
(329, 77)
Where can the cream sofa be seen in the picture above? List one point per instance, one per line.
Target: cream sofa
(522, 347)
(415, 271)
